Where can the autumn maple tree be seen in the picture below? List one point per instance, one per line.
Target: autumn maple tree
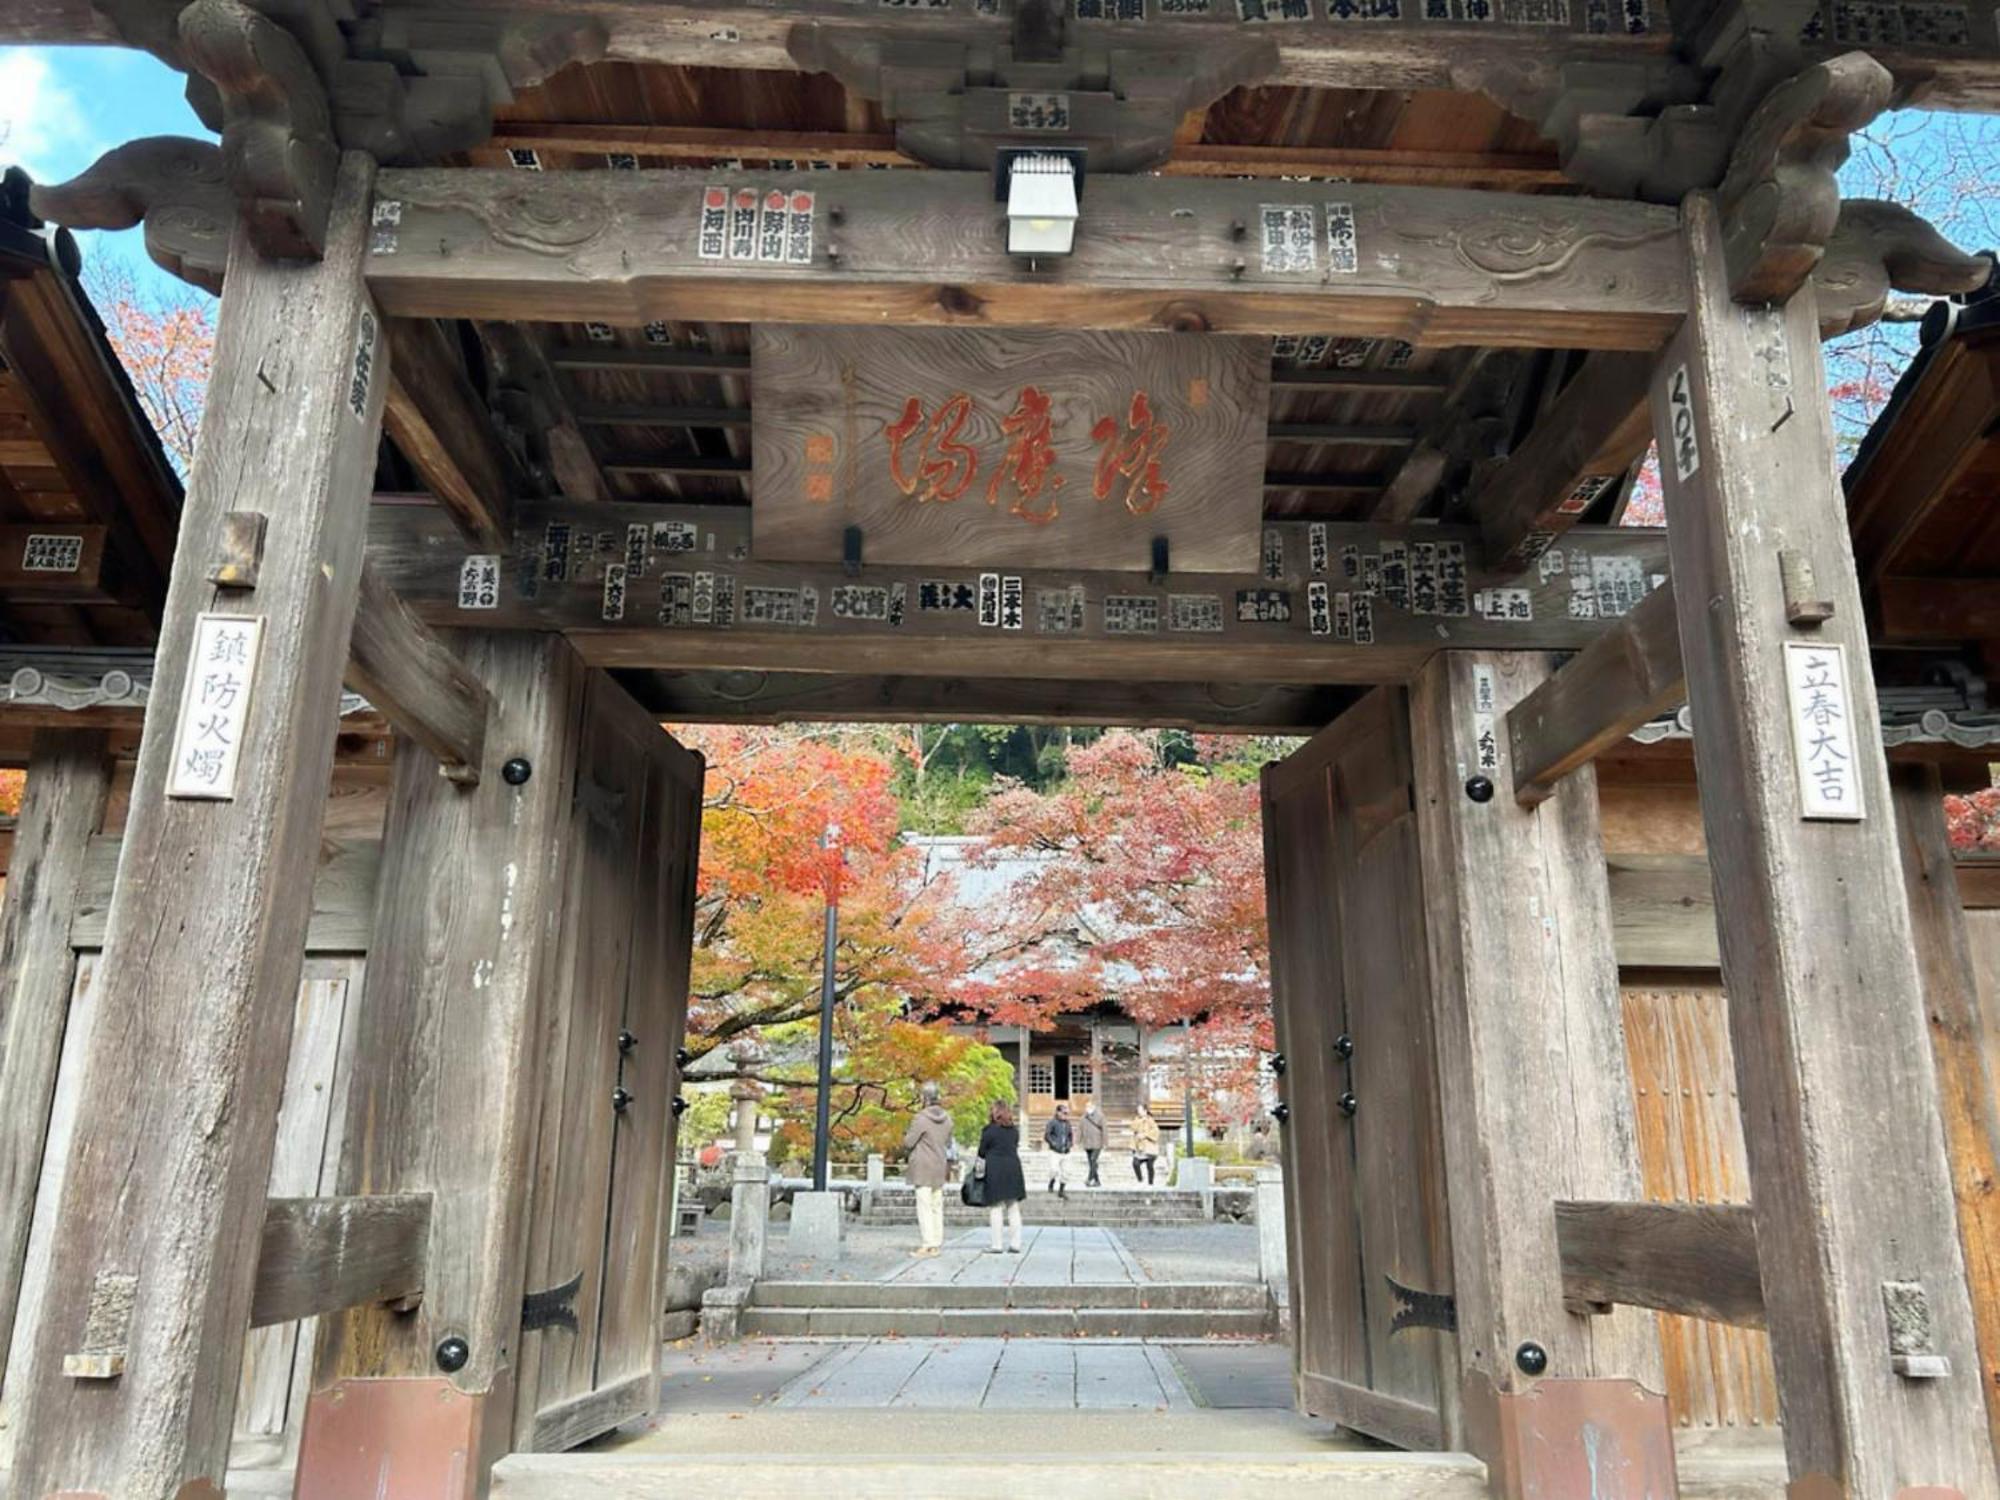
(1143, 884)
(165, 339)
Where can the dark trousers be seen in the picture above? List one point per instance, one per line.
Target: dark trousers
(1092, 1152)
(1142, 1168)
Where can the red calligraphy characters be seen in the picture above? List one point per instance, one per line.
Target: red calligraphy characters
(1133, 455)
(1030, 453)
(944, 467)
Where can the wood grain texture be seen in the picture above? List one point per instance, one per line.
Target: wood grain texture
(1662, 911)
(416, 680)
(62, 804)
(1024, 447)
(1525, 986)
(1965, 1046)
(420, 556)
(324, 1254)
(1818, 955)
(1341, 805)
(1696, 1259)
(448, 1083)
(343, 895)
(1436, 265)
(1691, 1151)
(202, 955)
(442, 425)
(1627, 676)
(1591, 434)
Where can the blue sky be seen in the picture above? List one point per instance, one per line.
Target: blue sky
(47, 126)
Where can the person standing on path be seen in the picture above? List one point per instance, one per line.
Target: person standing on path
(1059, 1136)
(1000, 1167)
(1145, 1145)
(1090, 1136)
(926, 1154)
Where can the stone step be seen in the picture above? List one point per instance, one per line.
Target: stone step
(969, 1218)
(1007, 1322)
(1233, 1296)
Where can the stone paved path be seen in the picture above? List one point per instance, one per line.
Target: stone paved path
(994, 1375)
(1050, 1256)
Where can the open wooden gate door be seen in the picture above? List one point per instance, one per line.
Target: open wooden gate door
(590, 1329)
(1363, 1153)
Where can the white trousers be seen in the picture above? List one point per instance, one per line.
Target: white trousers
(930, 1217)
(1059, 1167)
(1010, 1213)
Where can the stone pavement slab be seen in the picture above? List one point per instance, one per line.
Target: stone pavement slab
(990, 1374)
(1050, 1256)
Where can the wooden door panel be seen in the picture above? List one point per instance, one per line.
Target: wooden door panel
(1307, 1000)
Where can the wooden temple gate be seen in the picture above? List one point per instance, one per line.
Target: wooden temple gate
(1464, 1159)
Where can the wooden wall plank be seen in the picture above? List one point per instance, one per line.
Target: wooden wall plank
(1719, 1377)
(1435, 265)
(202, 955)
(1965, 1048)
(343, 895)
(1827, 1009)
(1525, 986)
(62, 804)
(324, 1254)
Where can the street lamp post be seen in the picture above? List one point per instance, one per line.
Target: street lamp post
(1187, 1085)
(822, 1112)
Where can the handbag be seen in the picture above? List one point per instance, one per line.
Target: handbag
(972, 1191)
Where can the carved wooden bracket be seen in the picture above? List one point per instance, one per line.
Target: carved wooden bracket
(179, 188)
(277, 132)
(1780, 201)
(1878, 248)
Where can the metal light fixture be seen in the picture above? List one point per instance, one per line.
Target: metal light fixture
(1041, 203)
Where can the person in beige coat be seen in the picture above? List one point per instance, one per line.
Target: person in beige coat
(1145, 1144)
(926, 1157)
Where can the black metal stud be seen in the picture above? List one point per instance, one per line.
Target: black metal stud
(1343, 1045)
(1278, 1063)
(682, 1057)
(1281, 1111)
(1348, 1103)
(621, 1099)
(1479, 789)
(679, 1106)
(452, 1353)
(1531, 1358)
(517, 771)
(627, 1041)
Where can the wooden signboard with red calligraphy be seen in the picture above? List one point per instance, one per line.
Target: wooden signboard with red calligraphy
(1033, 449)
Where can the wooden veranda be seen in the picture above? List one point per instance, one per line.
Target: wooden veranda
(584, 363)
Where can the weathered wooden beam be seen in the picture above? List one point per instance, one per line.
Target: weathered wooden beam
(323, 1255)
(665, 359)
(157, 1225)
(1524, 983)
(823, 697)
(1190, 159)
(1938, 609)
(442, 425)
(530, 399)
(418, 681)
(606, 414)
(1628, 675)
(1662, 911)
(640, 585)
(1817, 947)
(1464, 428)
(69, 779)
(1432, 265)
(1581, 446)
(1964, 1018)
(447, 1087)
(1326, 377)
(1696, 1259)
(1362, 434)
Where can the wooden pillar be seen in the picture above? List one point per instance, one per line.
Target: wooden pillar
(157, 1232)
(1965, 1050)
(447, 1088)
(69, 780)
(1848, 1173)
(1532, 1083)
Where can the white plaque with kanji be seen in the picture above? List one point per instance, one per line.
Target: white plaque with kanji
(1822, 716)
(215, 706)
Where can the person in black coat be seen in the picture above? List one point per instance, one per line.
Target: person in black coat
(1000, 1168)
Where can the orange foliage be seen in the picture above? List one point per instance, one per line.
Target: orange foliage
(12, 785)
(166, 342)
